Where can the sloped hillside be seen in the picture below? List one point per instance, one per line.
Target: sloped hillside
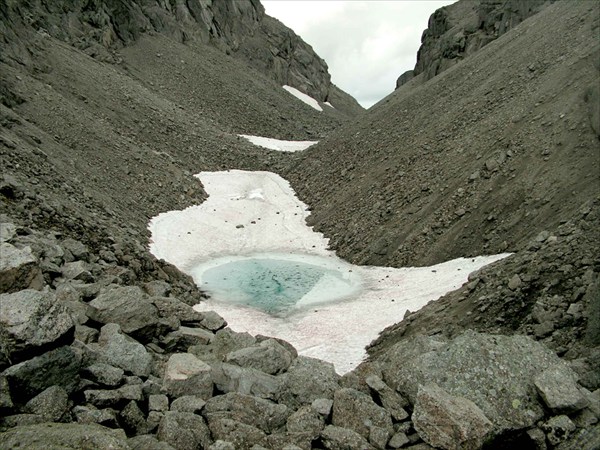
(477, 160)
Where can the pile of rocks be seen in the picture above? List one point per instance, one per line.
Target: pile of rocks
(89, 357)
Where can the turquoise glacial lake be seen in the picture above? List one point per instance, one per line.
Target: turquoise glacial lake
(278, 285)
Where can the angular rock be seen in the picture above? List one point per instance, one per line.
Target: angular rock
(262, 414)
(64, 435)
(188, 403)
(323, 406)
(185, 337)
(122, 351)
(379, 437)
(224, 342)
(147, 442)
(212, 321)
(557, 386)
(222, 445)
(494, 372)
(19, 269)
(337, 438)
(388, 398)
(51, 404)
(158, 402)
(58, 367)
(6, 403)
(558, 429)
(32, 322)
(308, 379)
(398, 440)
(287, 440)
(113, 398)
(241, 435)
(104, 374)
(76, 249)
(184, 431)
(230, 378)
(172, 307)
(306, 420)
(86, 414)
(449, 422)
(269, 357)
(127, 306)
(133, 420)
(77, 270)
(20, 420)
(356, 411)
(187, 375)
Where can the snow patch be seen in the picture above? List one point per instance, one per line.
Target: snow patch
(257, 215)
(305, 98)
(330, 105)
(276, 144)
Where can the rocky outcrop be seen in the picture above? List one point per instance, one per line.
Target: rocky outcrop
(239, 28)
(459, 30)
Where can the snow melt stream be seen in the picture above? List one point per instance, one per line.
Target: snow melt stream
(248, 242)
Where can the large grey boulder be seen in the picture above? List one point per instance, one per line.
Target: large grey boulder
(64, 436)
(52, 403)
(337, 438)
(127, 306)
(58, 367)
(186, 337)
(358, 412)
(306, 380)
(172, 307)
(147, 442)
(388, 398)
(268, 356)
(262, 414)
(113, 398)
(224, 342)
(19, 269)
(184, 431)
(241, 435)
(557, 386)
(230, 378)
(494, 372)
(32, 322)
(187, 375)
(104, 374)
(306, 420)
(449, 422)
(122, 351)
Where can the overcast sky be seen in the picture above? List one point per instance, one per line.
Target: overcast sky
(366, 44)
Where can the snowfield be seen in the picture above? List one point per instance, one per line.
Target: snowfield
(276, 144)
(305, 98)
(251, 214)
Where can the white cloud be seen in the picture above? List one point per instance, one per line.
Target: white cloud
(366, 44)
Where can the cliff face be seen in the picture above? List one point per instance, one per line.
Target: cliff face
(240, 28)
(459, 30)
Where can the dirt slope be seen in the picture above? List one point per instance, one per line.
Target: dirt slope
(477, 160)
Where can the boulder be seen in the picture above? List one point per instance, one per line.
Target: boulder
(77, 270)
(133, 420)
(87, 414)
(75, 250)
(52, 404)
(185, 337)
(32, 322)
(224, 342)
(323, 406)
(306, 420)
(172, 307)
(357, 411)
(104, 374)
(184, 431)
(64, 436)
(121, 351)
(558, 429)
(449, 422)
(388, 398)
(337, 438)
(212, 321)
(230, 378)
(494, 372)
(306, 380)
(286, 440)
(58, 367)
(558, 388)
(147, 442)
(188, 403)
(127, 306)
(262, 414)
(187, 375)
(114, 398)
(19, 269)
(241, 435)
(268, 356)
(158, 402)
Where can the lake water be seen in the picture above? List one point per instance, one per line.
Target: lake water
(277, 284)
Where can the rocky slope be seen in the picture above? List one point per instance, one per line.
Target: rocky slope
(506, 144)
(106, 113)
(456, 31)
